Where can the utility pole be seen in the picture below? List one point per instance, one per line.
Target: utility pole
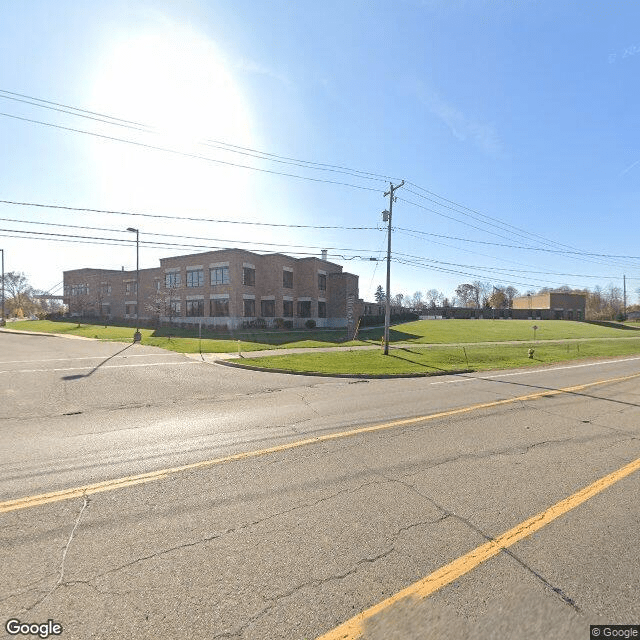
(624, 298)
(387, 313)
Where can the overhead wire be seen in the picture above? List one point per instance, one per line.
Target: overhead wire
(174, 235)
(219, 144)
(154, 244)
(185, 218)
(187, 154)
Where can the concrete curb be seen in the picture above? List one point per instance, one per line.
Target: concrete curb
(363, 376)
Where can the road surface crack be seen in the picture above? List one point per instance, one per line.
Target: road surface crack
(275, 600)
(233, 530)
(85, 504)
(447, 513)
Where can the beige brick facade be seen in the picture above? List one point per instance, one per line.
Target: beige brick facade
(231, 288)
(553, 306)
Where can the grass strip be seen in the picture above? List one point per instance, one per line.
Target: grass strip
(443, 359)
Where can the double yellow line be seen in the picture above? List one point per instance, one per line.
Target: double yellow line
(354, 628)
(129, 481)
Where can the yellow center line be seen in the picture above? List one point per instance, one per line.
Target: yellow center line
(128, 481)
(354, 628)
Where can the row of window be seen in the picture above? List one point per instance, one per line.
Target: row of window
(195, 278)
(219, 308)
(220, 275)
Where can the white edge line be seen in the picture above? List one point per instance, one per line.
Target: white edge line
(117, 366)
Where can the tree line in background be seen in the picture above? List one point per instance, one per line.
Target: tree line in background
(601, 304)
(21, 299)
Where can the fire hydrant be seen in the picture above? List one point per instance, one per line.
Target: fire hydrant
(531, 354)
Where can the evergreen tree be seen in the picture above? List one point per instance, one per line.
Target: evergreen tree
(380, 295)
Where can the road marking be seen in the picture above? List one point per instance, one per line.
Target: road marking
(118, 483)
(469, 377)
(354, 628)
(102, 357)
(106, 366)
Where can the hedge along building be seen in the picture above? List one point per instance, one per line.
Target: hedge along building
(231, 288)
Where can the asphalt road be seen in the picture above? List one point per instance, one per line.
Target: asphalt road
(349, 492)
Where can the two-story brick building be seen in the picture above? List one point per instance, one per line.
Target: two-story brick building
(231, 288)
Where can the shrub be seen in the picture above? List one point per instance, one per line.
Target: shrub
(279, 323)
(288, 324)
(310, 323)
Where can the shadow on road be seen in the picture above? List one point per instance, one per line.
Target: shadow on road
(542, 388)
(78, 376)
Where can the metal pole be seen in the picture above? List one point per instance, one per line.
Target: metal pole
(2, 320)
(387, 312)
(137, 284)
(624, 302)
(137, 336)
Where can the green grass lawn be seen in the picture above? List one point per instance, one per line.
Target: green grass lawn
(185, 340)
(453, 331)
(444, 359)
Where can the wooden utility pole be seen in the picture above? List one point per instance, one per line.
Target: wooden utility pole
(387, 313)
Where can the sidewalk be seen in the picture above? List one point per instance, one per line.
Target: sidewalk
(212, 357)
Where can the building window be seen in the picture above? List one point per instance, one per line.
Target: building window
(105, 289)
(130, 309)
(106, 309)
(249, 308)
(287, 279)
(219, 275)
(322, 282)
(172, 280)
(304, 309)
(195, 308)
(157, 285)
(268, 308)
(248, 276)
(79, 289)
(322, 309)
(287, 308)
(131, 288)
(219, 307)
(195, 278)
(175, 307)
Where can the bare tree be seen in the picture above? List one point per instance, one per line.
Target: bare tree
(19, 295)
(398, 299)
(417, 302)
(467, 294)
(434, 297)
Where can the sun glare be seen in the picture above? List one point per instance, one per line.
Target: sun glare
(175, 80)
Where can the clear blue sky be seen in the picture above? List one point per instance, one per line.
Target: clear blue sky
(526, 112)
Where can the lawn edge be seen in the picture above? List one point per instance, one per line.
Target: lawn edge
(321, 374)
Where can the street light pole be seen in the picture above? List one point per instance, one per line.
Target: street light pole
(137, 336)
(2, 319)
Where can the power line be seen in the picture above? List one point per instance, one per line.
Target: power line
(225, 146)
(500, 269)
(173, 235)
(187, 218)
(504, 226)
(188, 155)
(150, 244)
(511, 246)
(568, 253)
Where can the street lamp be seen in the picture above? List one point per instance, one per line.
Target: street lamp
(137, 336)
(2, 319)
